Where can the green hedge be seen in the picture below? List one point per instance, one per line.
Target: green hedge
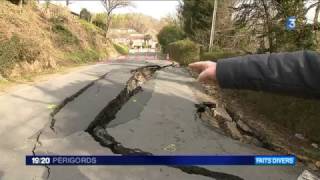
(184, 51)
(169, 34)
(218, 54)
(122, 49)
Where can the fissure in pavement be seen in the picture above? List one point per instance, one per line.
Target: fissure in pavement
(208, 108)
(262, 139)
(135, 80)
(34, 149)
(57, 109)
(97, 128)
(71, 98)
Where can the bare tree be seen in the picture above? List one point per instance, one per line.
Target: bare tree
(266, 20)
(213, 24)
(110, 6)
(316, 19)
(258, 16)
(316, 15)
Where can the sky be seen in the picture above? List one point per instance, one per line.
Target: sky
(154, 8)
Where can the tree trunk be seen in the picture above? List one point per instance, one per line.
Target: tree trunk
(213, 24)
(269, 27)
(20, 3)
(108, 24)
(315, 21)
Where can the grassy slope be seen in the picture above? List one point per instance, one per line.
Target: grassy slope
(34, 39)
(279, 118)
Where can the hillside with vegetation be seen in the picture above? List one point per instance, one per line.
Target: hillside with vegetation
(37, 37)
(242, 27)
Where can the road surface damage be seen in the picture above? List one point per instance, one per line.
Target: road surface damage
(209, 112)
(97, 128)
(229, 123)
(133, 86)
(71, 98)
(57, 110)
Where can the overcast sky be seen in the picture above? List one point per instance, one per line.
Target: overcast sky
(154, 8)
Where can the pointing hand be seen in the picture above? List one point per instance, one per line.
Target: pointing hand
(207, 70)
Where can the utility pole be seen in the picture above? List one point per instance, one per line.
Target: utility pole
(213, 24)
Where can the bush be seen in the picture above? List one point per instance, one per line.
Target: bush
(88, 26)
(85, 14)
(87, 55)
(16, 50)
(122, 49)
(58, 19)
(169, 34)
(64, 35)
(184, 51)
(100, 20)
(218, 54)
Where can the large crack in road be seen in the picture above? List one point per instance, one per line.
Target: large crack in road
(133, 86)
(97, 128)
(71, 98)
(57, 110)
(140, 75)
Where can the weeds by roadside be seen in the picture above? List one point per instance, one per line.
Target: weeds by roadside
(15, 50)
(65, 36)
(84, 56)
(122, 49)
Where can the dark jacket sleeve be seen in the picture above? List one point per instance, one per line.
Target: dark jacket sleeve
(296, 72)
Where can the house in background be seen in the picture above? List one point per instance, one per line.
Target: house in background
(136, 40)
(122, 30)
(131, 38)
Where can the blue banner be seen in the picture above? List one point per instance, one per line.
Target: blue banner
(161, 160)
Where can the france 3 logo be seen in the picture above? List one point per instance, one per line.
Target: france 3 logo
(291, 23)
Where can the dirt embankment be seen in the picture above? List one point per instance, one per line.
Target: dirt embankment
(39, 37)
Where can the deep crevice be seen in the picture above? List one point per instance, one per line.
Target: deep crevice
(70, 99)
(101, 135)
(56, 110)
(133, 86)
(97, 128)
(262, 139)
(208, 106)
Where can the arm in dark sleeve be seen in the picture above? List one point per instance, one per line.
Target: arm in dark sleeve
(296, 72)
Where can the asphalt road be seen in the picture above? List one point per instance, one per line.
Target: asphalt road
(160, 119)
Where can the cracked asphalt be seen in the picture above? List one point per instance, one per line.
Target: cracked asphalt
(107, 109)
